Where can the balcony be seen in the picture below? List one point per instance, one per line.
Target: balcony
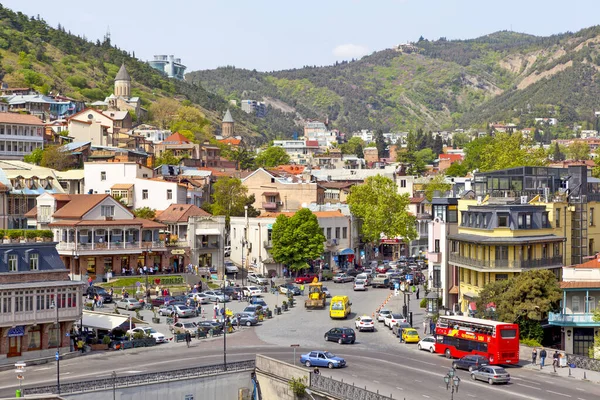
(110, 247)
(40, 316)
(208, 245)
(424, 216)
(549, 262)
(270, 205)
(268, 244)
(44, 219)
(579, 319)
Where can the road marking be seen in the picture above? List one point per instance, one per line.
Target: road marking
(531, 387)
(424, 362)
(580, 389)
(356, 376)
(560, 394)
(579, 398)
(424, 395)
(471, 395)
(375, 381)
(416, 380)
(399, 388)
(42, 369)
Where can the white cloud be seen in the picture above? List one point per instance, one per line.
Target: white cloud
(350, 50)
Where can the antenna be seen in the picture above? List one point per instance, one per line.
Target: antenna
(107, 36)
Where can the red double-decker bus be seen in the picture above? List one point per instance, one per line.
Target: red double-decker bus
(458, 336)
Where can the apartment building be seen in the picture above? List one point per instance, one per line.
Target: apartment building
(20, 134)
(300, 151)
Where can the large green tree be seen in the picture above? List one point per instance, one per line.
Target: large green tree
(380, 143)
(166, 158)
(381, 210)
(437, 184)
(297, 239)
(53, 157)
(272, 157)
(505, 150)
(456, 169)
(354, 146)
(578, 150)
(229, 198)
(145, 213)
(243, 158)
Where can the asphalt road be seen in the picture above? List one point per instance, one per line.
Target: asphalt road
(377, 360)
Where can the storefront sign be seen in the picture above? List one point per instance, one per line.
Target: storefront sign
(16, 331)
(390, 241)
(178, 251)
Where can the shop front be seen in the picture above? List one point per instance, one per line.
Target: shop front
(390, 249)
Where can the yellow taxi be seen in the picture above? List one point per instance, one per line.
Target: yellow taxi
(410, 335)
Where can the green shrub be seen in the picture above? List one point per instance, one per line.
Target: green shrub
(47, 234)
(15, 233)
(31, 233)
(78, 81)
(106, 339)
(2, 233)
(423, 303)
(298, 385)
(139, 335)
(530, 343)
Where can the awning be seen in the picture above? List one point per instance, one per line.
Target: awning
(212, 231)
(270, 194)
(469, 295)
(106, 321)
(122, 186)
(453, 290)
(346, 252)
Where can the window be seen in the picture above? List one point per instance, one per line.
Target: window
(557, 221)
(591, 251)
(502, 220)
(345, 233)
(103, 175)
(169, 194)
(508, 333)
(337, 233)
(468, 277)
(403, 183)
(452, 214)
(524, 221)
(91, 267)
(575, 304)
(12, 263)
(107, 211)
(592, 217)
(476, 278)
(19, 302)
(545, 220)
(328, 233)
(35, 338)
(436, 246)
(591, 304)
(501, 277)
(145, 194)
(34, 262)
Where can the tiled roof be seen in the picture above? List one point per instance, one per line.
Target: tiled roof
(176, 138)
(417, 200)
(319, 214)
(593, 263)
(580, 285)
(78, 205)
(451, 157)
(231, 140)
(292, 169)
(14, 118)
(180, 213)
(335, 185)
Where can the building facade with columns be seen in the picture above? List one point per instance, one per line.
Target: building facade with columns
(33, 282)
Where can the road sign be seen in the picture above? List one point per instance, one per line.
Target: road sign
(396, 292)
(57, 356)
(294, 345)
(67, 334)
(138, 284)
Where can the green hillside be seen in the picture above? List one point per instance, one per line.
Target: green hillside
(437, 84)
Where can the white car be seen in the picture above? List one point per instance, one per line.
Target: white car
(393, 319)
(257, 278)
(359, 284)
(231, 268)
(227, 251)
(427, 343)
(128, 304)
(251, 291)
(160, 338)
(364, 323)
(364, 277)
(326, 291)
(382, 314)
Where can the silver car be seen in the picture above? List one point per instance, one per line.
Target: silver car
(129, 304)
(215, 295)
(360, 284)
(491, 374)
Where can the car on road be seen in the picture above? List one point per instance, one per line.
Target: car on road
(491, 374)
(322, 359)
(183, 327)
(365, 277)
(382, 314)
(427, 343)
(306, 278)
(91, 291)
(231, 268)
(393, 282)
(258, 302)
(251, 291)
(470, 362)
(246, 318)
(148, 331)
(289, 287)
(180, 310)
(258, 279)
(364, 323)
(254, 309)
(208, 324)
(392, 319)
(399, 327)
(326, 291)
(340, 335)
(353, 272)
(202, 298)
(382, 269)
(359, 284)
(410, 335)
(128, 304)
(160, 300)
(233, 292)
(216, 295)
(342, 278)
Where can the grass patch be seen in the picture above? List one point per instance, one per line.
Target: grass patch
(132, 280)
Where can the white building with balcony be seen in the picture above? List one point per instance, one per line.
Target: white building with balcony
(20, 134)
(300, 151)
(96, 234)
(206, 236)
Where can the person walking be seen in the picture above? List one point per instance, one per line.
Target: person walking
(417, 293)
(239, 321)
(188, 338)
(555, 359)
(425, 327)
(542, 358)
(302, 288)
(533, 355)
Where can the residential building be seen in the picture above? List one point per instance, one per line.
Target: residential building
(151, 133)
(548, 121)
(421, 209)
(169, 65)
(35, 293)
(314, 127)
(300, 151)
(35, 104)
(179, 145)
(257, 108)
(233, 142)
(371, 155)
(446, 160)
(96, 234)
(122, 120)
(275, 192)
(120, 99)
(92, 126)
(365, 135)
(336, 192)
(255, 233)
(20, 134)
(206, 237)
(580, 290)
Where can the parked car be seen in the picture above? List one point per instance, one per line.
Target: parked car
(251, 291)
(258, 279)
(392, 319)
(306, 278)
(231, 268)
(148, 331)
(491, 374)
(158, 301)
(364, 323)
(246, 318)
(128, 304)
(341, 278)
(353, 272)
(258, 302)
(359, 284)
(340, 335)
(216, 295)
(326, 291)
(382, 314)
(180, 310)
(410, 335)
(183, 327)
(208, 324)
(287, 287)
(232, 291)
(470, 362)
(253, 309)
(322, 359)
(427, 343)
(202, 298)
(91, 291)
(399, 327)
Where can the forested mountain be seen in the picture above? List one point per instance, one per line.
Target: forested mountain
(441, 84)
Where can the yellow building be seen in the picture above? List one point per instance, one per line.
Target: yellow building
(518, 220)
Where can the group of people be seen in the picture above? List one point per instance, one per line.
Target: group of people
(543, 354)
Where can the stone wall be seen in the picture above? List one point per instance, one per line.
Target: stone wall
(274, 377)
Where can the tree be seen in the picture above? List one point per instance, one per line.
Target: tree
(354, 146)
(437, 184)
(380, 143)
(166, 158)
(381, 210)
(578, 151)
(523, 299)
(557, 155)
(145, 213)
(244, 158)
(229, 198)
(35, 157)
(456, 169)
(164, 111)
(297, 239)
(272, 157)
(504, 150)
(54, 157)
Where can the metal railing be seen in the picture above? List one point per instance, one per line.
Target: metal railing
(573, 318)
(343, 390)
(141, 379)
(109, 246)
(535, 263)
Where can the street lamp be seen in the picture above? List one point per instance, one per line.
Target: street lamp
(75, 258)
(57, 355)
(225, 327)
(452, 381)
(245, 265)
(114, 379)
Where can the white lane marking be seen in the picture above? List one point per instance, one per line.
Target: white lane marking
(356, 376)
(42, 369)
(424, 395)
(424, 362)
(531, 387)
(514, 378)
(579, 398)
(560, 394)
(580, 389)
(471, 395)
(399, 388)
(375, 381)
(416, 380)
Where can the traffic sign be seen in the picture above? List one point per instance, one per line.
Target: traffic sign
(396, 292)
(57, 356)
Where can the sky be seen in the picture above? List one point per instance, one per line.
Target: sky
(269, 35)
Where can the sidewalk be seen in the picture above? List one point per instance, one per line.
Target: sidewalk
(565, 372)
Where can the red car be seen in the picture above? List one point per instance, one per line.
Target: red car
(306, 278)
(382, 269)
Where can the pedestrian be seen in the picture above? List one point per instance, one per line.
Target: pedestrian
(239, 321)
(148, 298)
(424, 327)
(533, 355)
(111, 292)
(302, 288)
(542, 358)
(100, 301)
(188, 338)
(215, 310)
(431, 327)
(417, 293)
(555, 358)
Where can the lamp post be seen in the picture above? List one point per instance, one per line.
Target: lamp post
(114, 379)
(75, 258)
(58, 337)
(452, 381)
(225, 327)
(245, 265)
